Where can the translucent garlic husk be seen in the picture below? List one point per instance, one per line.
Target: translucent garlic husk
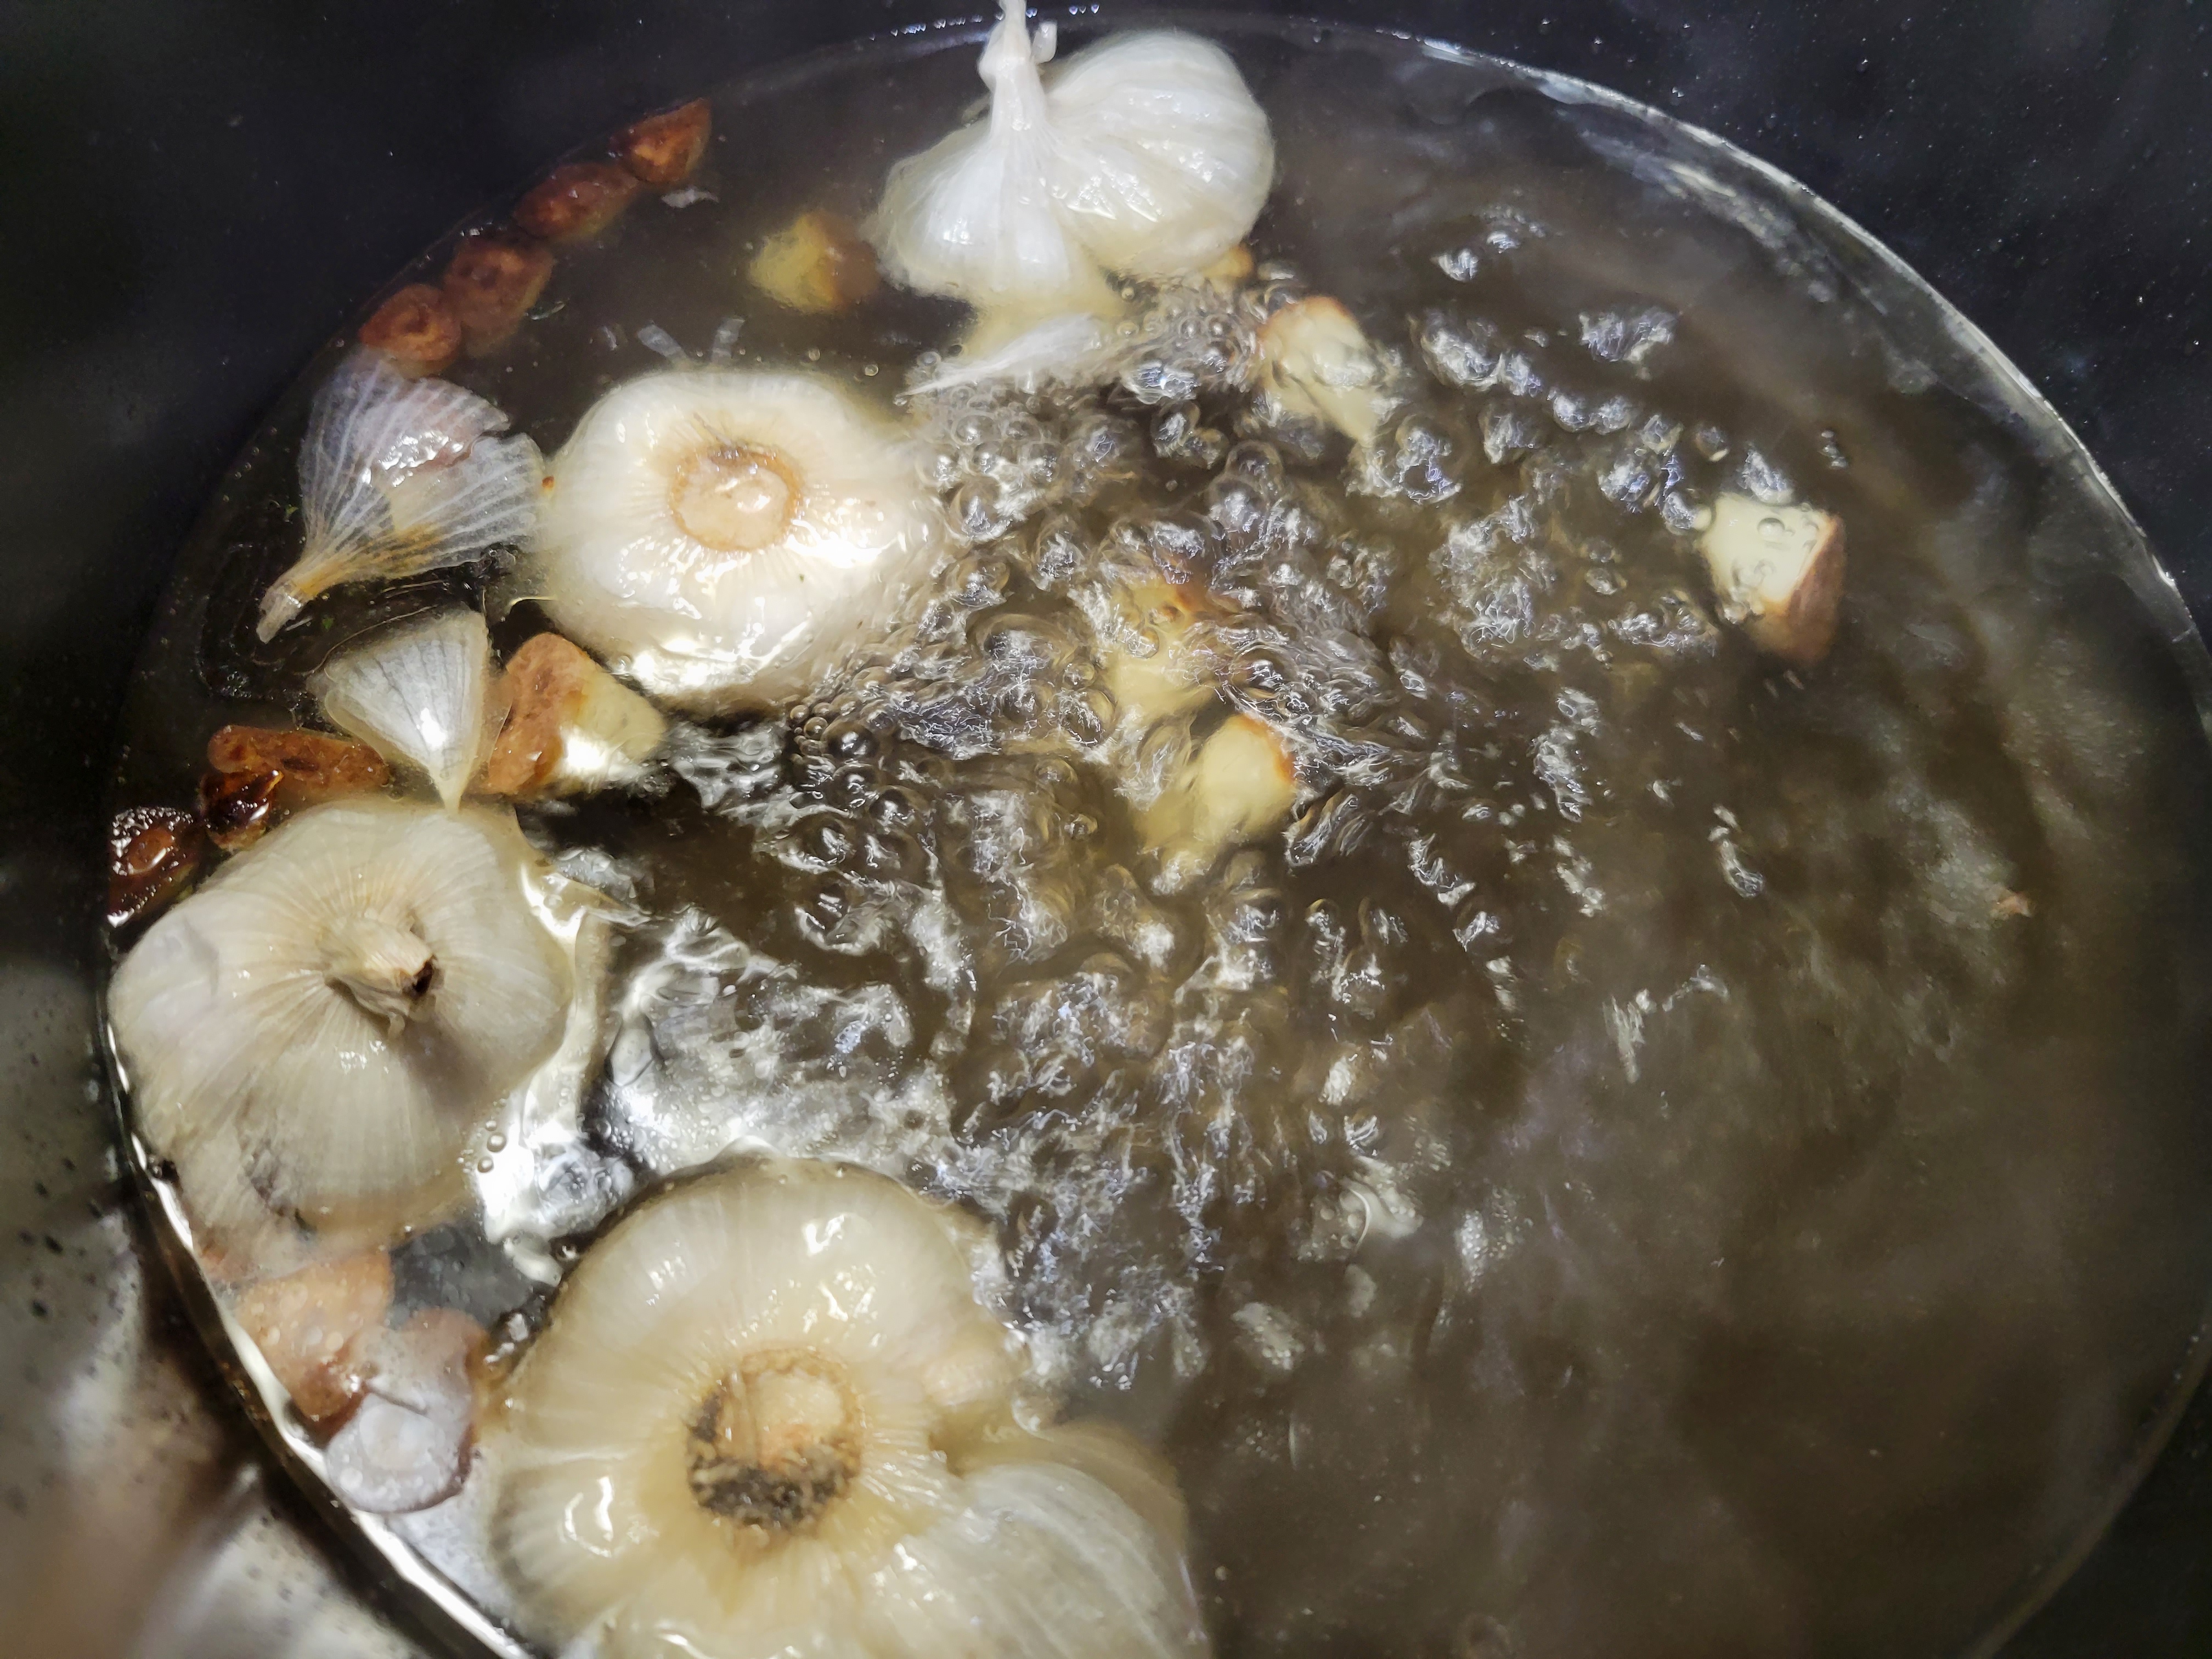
(419, 695)
(313, 1034)
(768, 1416)
(399, 477)
(1146, 156)
(723, 537)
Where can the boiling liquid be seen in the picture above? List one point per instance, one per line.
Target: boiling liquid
(1666, 1155)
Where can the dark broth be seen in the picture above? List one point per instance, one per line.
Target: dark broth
(1670, 1155)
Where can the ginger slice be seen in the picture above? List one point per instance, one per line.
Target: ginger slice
(417, 329)
(1240, 785)
(662, 149)
(316, 1329)
(817, 264)
(1778, 571)
(491, 283)
(1318, 363)
(312, 766)
(576, 201)
(152, 853)
(570, 724)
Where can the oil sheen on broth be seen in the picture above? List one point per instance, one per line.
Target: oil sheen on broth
(1643, 1136)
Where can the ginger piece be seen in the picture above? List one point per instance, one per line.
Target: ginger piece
(662, 150)
(312, 766)
(417, 329)
(817, 264)
(1147, 691)
(1318, 363)
(1239, 786)
(1232, 270)
(317, 1328)
(1778, 572)
(576, 201)
(152, 853)
(491, 283)
(570, 727)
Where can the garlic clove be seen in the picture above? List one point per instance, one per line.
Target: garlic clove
(570, 726)
(1779, 571)
(314, 1328)
(729, 1440)
(1318, 363)
(1240, 786)
(406, 1447)
(283, 1044)
(420, 694)
(818, 263)
(399, 477)
(723, 537)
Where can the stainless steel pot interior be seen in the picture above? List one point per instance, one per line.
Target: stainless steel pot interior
(197, 198)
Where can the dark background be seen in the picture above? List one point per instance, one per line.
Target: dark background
(193, 196)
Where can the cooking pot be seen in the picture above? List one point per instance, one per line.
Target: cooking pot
(197, 197)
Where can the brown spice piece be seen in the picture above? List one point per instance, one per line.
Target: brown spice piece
(545, 680)
(317, 1328)
(576, 201)
(239, 808)
(663, 149)
(491, 282)
(152, 852)
(417, 329)
(818, 263)
(312, 766)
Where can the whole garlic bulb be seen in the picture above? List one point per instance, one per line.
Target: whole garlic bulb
(769, 1417)
(319, 1028)
(1146, 156)
(722, 537)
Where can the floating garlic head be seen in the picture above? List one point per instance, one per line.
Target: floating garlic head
(722, 537)
(316, 1030)
(418, 695)
(1146, 156)
(399, 477)
(768, 1416)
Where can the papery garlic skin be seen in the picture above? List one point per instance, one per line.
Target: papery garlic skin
(1146, 156)
(418, 695)
(746, 1431)
(315, 1032)
(722, 538)
(399, 477)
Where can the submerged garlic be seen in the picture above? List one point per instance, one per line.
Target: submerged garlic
(1146, 156)
(419, 694)
(316, 1030)
(399, 477)
(768, 1416)
(1319, 363)
(722, 537)
(1779, 571)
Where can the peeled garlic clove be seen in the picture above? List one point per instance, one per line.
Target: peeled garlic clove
(314, 1328)
(743, 1426)
(815, 264)
(1239, 786)
(723, 537)
(571, 727)
(419, 694)
(316, 1030)
(399, 477)
(662, 149)
(1319, 363)
(1780, 570)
